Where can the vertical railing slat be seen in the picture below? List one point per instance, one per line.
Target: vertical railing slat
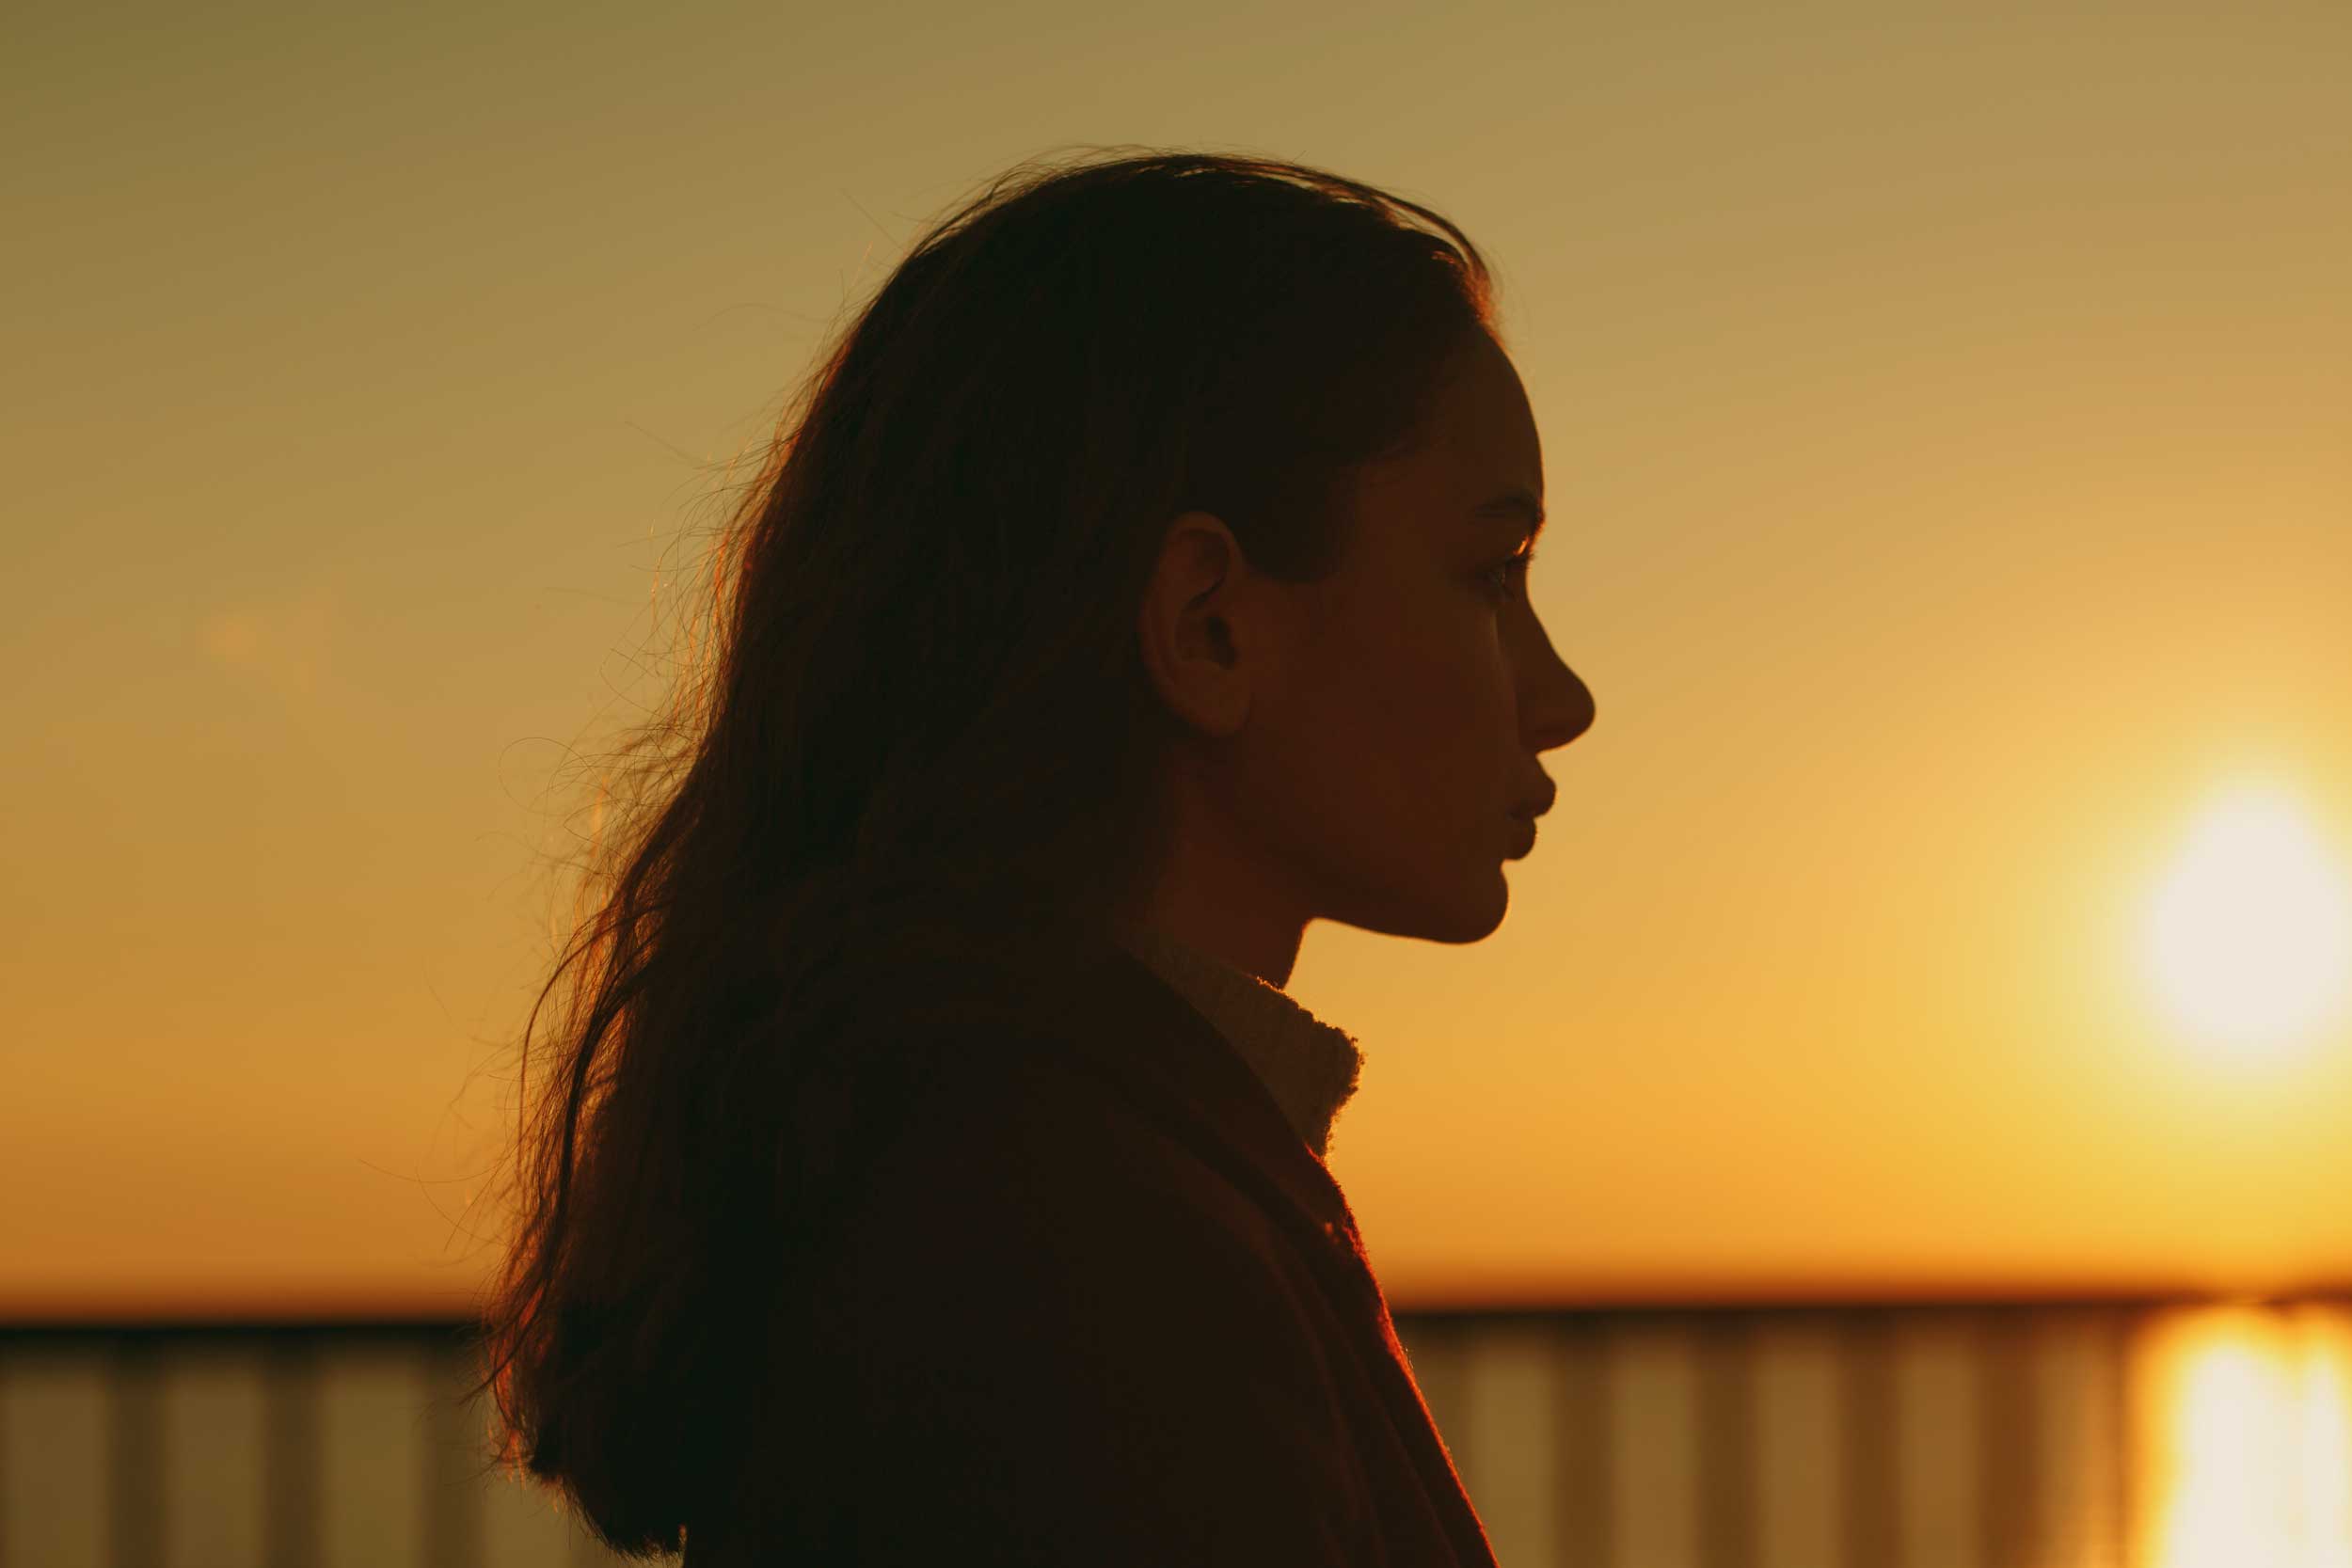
(1939, 1478)
(1727, 1443)
(2076, 1436)
(1870, 1525)
(292, 1481)
(457, 1471)
(135, 1456)
(371, 1423)
(1653, 1405)
(1511, 1399)
(214, 1422)
(1585, 1464)
(53, 1419)
(2009, 1449)
(1799, 1485)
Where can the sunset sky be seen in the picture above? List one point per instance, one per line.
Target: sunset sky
(1947, 414)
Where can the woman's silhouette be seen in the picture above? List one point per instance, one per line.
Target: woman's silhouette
(927, 1166)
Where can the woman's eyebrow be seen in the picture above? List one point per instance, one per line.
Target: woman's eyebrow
(1515, 503)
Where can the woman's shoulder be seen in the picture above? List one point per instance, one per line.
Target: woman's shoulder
(1008, 1118)
(995, 1060)
(1049, 1317)
(1023, 1190)
(1052, 1303)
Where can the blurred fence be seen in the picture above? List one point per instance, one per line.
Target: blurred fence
(1813, 1437)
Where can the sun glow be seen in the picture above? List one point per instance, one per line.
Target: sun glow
(2247, 941)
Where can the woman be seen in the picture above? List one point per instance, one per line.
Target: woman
(933, 1167)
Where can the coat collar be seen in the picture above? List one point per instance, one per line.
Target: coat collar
(1024, 967)
(1063, 980)
(1311, 1067)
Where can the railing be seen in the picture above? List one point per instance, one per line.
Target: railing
(1803, 1438)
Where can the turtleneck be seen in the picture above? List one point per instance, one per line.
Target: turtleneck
(1308, 1066)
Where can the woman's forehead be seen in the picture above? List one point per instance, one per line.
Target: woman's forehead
(1477, 446)
(1483, 414)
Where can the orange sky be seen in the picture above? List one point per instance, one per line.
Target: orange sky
(1945, 416)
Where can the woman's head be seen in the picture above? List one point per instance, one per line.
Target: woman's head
(1112, 427)
(1361, 747)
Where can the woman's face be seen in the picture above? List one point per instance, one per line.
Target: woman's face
(1358, 747)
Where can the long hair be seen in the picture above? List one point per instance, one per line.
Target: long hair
(920, 686)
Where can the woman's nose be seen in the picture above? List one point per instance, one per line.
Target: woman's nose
(1567, 711)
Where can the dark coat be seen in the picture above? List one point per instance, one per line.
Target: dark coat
(1095, 1301)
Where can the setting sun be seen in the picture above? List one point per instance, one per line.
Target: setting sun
(2248, 938)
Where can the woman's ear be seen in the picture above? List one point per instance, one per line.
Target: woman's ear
(1202, 623)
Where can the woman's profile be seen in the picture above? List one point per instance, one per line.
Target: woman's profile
(928, 1167)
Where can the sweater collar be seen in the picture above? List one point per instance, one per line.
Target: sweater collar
(1309, 1067)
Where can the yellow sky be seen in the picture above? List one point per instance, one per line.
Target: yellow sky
(1945, 413)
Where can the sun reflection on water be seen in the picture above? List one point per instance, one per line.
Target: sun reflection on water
(2247, 1446)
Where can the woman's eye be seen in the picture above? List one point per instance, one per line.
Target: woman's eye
(1506, 574)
